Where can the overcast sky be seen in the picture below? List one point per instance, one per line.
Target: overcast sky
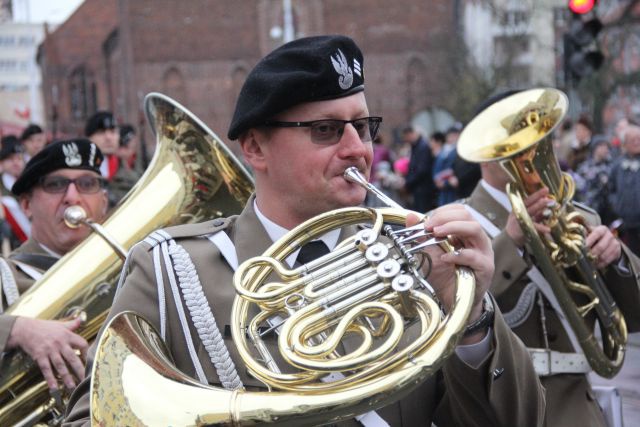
(52, 11)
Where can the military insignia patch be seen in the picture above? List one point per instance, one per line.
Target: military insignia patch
(344, 71)
(71, 155)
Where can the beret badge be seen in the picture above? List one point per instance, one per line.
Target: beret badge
(344, 71)
(71, 155)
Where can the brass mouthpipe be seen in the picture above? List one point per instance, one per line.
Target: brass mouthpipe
(76, 215)
(352, 174)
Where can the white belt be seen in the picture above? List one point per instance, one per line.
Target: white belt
(549, 362)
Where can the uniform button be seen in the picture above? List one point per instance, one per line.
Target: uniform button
(506, 275)
(491, 216)
(218, 222)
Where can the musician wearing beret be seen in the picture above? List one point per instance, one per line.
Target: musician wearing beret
(65, 173)
(301, 119)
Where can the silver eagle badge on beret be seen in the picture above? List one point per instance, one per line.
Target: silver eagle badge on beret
(342, 68)
(71, 155)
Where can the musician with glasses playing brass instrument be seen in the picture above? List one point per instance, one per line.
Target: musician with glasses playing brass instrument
(302, 120)
(65, 173)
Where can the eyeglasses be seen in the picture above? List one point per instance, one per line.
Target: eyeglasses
(329, 131)
(84, 184)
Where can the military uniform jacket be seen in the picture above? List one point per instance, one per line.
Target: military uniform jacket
(23, 281)
(457, 395)
(570, 399)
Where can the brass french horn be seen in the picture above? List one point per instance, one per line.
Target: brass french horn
(192, 177)
(516, 132)
(369, 290)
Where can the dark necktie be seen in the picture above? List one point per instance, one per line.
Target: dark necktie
(311, 251)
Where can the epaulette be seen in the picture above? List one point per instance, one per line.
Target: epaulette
(590, 214)
(176, 232)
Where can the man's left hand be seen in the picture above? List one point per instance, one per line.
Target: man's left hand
(474, 251)
(603, 245)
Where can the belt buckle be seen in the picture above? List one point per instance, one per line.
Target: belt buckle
(541, 356)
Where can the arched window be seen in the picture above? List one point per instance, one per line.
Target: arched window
(82, 90)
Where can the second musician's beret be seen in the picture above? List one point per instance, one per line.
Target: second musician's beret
(10, 145)
(77, 153)
(102, 120)
(304, 70)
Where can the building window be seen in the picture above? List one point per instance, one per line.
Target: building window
(26, 41)
(8, 65)
(7, 40)
(82, 90)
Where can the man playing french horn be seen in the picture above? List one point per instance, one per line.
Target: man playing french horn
(65, 173)
(302, 120)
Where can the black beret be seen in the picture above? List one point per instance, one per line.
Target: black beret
(127, 132)
(77, 153)
(304, 70)
(32, 129)
(101, 120)
(10, 145)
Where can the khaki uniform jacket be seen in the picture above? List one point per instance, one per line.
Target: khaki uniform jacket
(457, 395)
(570, 399)
(24, 282)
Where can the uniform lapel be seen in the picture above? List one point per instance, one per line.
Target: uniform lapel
(249, 236)
(482, 201)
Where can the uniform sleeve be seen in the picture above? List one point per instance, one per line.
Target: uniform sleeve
(503, 391)
(510, 266)
(6, 324)
(624, 287)
(139, 294)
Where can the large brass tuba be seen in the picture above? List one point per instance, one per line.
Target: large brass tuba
(516, 133)
(358, 328)
(192, 176)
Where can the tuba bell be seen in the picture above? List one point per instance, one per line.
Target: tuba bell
(192, 176)
(516, 132)
(358, 328)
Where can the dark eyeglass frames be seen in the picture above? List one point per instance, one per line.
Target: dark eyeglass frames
(329, 131)
(84, 184)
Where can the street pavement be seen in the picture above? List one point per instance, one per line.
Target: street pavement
(628, 382)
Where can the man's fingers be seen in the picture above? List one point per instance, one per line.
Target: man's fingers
(541, 228)
(412, 219)
(74, 362)
(61, 369)
(47, 372)
(77, 342)
(469, 232)
(73, 324)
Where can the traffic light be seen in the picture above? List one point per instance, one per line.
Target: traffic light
(581, 6)
(581, 54)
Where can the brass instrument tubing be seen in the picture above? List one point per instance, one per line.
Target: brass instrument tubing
(352, 174)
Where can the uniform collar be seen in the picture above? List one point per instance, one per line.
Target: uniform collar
(499, 196)
(276, 231)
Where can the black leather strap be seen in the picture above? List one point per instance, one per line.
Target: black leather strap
(485, 320)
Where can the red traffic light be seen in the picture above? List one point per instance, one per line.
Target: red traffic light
(581, 6)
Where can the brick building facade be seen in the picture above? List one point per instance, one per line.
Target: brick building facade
(110, 53)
